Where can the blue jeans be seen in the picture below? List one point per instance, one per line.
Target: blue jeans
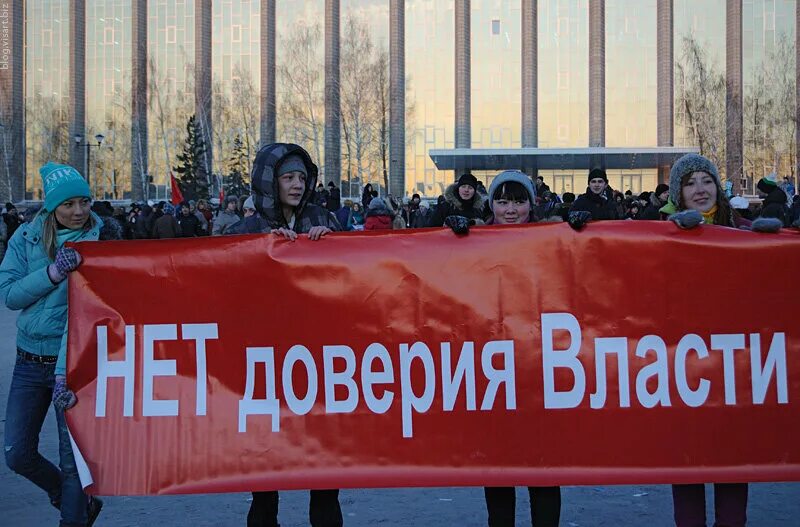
(28, 401)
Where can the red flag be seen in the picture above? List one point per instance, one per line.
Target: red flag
(177, 195)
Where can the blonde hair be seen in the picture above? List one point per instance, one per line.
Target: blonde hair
(50, 231)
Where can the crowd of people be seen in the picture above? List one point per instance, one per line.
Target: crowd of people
(287, 201)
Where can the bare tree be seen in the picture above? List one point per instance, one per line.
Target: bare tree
(170, 110)
(302, 111)
(701, 99)
(778, 72)
(381, 74)
(225, 125)
(243, 98)
(358, 81)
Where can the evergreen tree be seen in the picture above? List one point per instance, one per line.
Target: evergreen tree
(192, 184)
(237, 183)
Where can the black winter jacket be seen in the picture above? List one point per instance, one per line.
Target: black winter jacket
(599, 206)
(775, 206)
(453, 206)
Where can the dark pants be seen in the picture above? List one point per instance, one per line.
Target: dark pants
(730, 505)
(28, 401)
(323, 509)
(545, 506)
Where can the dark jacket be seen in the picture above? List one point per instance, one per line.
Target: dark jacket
(334, 199)
(420, 218)
(775, 206)
(652, 210)
(166, 226)
(454, 206)
(254, 224)
(190, 226)
(150, 221)
(343, 217)
(794, 212)
(12, 222)
(265, 191)
(598, 205)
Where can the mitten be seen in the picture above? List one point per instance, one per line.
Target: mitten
(459, 224)
(63, 397)
(67, 260)
(687, 219)
(796, 224)
(578, 219)
(768, 225)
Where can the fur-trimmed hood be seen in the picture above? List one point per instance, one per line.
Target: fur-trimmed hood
(451, 196)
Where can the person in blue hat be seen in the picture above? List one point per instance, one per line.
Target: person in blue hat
(33, 280)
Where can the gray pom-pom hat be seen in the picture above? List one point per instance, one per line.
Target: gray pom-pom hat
(686, 165)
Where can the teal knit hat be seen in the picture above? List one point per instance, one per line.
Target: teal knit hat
(62, 182)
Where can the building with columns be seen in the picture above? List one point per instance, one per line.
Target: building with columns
(372, 87)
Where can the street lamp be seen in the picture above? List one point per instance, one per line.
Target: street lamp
(88, 145)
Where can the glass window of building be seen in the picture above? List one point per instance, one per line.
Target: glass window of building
(108, 95)
(170, 47)
(46, 88)
(768, 56)
(496, 74)
(236, 82)
(563, 84)
(430, 106)
(300, 80)
(631, 86)
(364, 78)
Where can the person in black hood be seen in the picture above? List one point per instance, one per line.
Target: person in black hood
(595, 201)
(460, 199)
(334, 197)
(283, 182)
(774, 204)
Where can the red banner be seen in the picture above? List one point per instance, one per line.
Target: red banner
(631, 352)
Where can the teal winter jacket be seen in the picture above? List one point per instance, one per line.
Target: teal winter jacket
(25, 285)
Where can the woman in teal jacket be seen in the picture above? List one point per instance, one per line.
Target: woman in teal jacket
(33, 279)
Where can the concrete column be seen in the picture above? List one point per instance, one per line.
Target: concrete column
(333, 106)
(530, 71)
(530, 76)
(397, 98)
(665, 80)
(202, 83)
(797, 96)
(12, 107)
(139, 161)
(597, 73)
(77, 83)
(268, 115)
(462, 74)
(734, 146)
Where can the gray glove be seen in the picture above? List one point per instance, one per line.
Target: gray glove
(687, 219)
(768, 225)
(796, 224)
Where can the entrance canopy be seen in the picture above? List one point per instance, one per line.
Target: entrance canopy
(557, 158)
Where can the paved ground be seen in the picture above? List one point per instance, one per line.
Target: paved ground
(23, 505)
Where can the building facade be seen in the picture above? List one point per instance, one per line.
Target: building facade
(402, 76)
